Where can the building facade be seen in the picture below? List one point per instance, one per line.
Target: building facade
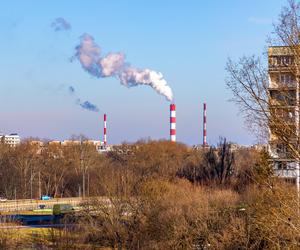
(99, 145)
(283, 93)
(11, 139)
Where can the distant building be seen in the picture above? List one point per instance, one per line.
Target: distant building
(234, 147)
(37, 143)
(54, 142)
(284, 104)
(11, 139)
(99, 145)
(284, 94)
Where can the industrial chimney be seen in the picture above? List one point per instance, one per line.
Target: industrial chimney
(204, 126)
(173, 123)
(104, 130)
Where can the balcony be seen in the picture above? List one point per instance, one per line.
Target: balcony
(282, 97)
(279, 86)
(286, 169)
(285, 173)
(281, 59)
(282, 68)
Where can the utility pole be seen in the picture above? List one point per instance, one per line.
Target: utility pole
(16, 202)
(40, 188)
(31, 182)
(83, 184)
(83, 177)
(88, 184)
(82, 169)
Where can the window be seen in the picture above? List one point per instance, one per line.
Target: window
(287, 79)
(285, 60)
(280, 148)
(281, 165)
(284, 98)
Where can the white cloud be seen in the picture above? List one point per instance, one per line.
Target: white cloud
(260, 20)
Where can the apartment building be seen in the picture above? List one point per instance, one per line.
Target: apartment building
(11, 139)
(284, 112)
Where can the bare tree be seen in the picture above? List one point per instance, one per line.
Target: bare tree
(215, 165)
(248, 81)
(272, 108)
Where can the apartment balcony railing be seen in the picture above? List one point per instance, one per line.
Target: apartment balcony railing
(286, 173)
(281, 155)
(282, 68)
(277, 86)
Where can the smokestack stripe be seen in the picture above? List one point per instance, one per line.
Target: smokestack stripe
(173, 123)
(204, 125)
(104, 134)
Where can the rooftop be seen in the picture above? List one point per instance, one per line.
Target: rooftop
(280, 51)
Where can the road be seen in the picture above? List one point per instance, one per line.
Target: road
(34, 226)
(23, 205)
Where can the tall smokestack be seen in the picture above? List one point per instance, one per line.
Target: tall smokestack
(104, 132)
(204, 125)
(173, 123)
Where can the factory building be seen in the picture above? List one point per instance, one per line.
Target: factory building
(283, 94)
(11, 139)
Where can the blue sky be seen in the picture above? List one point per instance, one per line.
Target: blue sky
(188, 41)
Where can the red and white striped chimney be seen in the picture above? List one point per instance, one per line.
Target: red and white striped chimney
(204, 125)
(173, 122)
(104, 130)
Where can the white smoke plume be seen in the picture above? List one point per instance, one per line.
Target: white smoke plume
(86, 104)
(60, 24)
(88, 53)
(114, 64)
(132, 77)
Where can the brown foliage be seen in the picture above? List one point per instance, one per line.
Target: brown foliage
(140, 203)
